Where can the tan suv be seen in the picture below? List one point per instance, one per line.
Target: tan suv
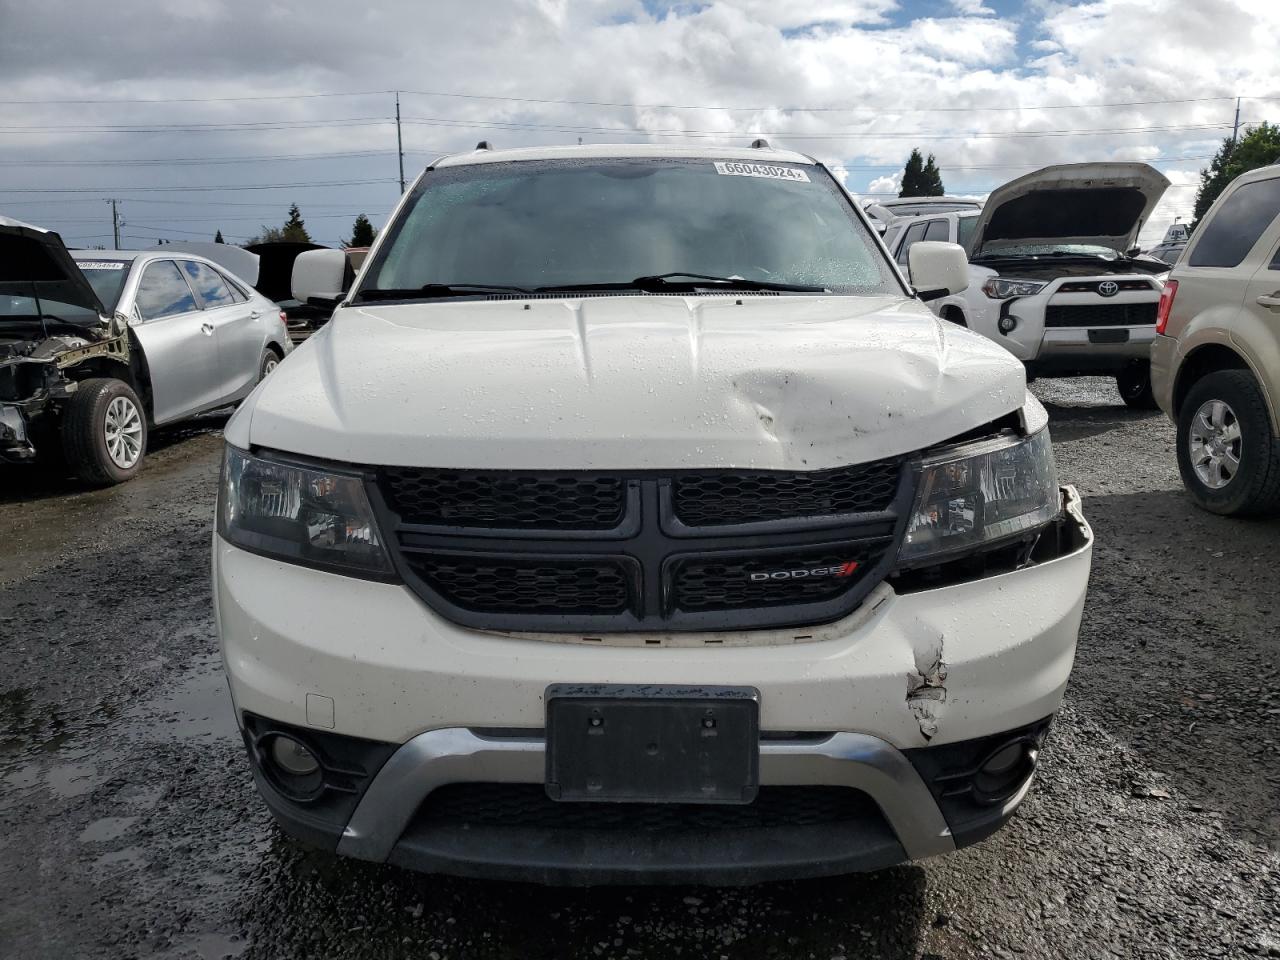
(1215, 363)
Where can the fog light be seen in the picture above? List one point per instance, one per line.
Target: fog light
(293, 757)
(1005, 769)
(1007, 324)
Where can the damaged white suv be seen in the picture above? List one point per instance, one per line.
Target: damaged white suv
(632, 521)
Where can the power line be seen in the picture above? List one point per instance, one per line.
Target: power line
(180, 161)
(185, 127)
(201, 188)
(895, 108)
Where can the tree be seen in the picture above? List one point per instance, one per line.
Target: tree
(921, 178)
(294, 228)
(217, 237)
(1259, 147)
(267, 235)
(362, 233)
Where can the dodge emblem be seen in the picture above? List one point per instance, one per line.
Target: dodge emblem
(1108, 288)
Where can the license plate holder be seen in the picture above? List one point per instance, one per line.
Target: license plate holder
(1113, 335)
(619, 743)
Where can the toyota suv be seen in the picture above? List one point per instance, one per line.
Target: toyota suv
(1216, 357)
(633, 520)
(1055, 276)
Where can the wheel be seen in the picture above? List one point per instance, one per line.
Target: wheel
(104, 431)
(1134, 384)
(1227, 455)
(954, 315)
(270, 360)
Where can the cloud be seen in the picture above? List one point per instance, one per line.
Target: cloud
(881, 79)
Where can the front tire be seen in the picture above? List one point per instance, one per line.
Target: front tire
(1134, 384)
(1227, 455)
(104, 431)
(270, 360)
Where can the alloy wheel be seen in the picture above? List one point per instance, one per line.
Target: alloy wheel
(122, 429)
(1214, 442)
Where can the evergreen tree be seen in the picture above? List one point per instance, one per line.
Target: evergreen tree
(921, 178)
(217, 237)
(362, 233)
(294, 228)
(1259, 147)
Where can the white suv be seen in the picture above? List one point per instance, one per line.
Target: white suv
(632, 521)
(1053, 276)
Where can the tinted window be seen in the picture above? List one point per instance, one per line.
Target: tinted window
(937, 230)
(163, 292)
(913, 233)
(106, 277)
(1275, 261)
(208, 283)
(554, 223)
(1235, 228)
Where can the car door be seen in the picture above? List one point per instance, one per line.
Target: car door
(1257, 334)
(237, 327)
(177, 342)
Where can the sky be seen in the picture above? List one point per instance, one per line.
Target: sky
(203, 115)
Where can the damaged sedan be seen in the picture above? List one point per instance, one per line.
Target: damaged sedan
(98, 346)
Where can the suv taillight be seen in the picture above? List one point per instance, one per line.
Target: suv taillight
(1166, 304)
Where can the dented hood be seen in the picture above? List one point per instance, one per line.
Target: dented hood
(631, 383)
(1099, 204)
(36, 260)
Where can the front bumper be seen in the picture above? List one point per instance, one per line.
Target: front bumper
(845, 705)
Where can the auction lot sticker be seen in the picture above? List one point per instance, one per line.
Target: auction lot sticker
(99, 265)
(740, 168)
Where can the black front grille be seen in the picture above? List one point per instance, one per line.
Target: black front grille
(467, 498)
(1091, 286)
(541, 586)
(464, 805)
(599, 553)
(755, 580)
(711, 499)
(1100, 315)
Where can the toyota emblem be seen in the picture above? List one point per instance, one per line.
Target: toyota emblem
(1108, 288)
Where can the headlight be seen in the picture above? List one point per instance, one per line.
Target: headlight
(998, 288)
(979, 494)
(300, 514)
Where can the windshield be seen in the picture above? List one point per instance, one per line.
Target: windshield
(964, 230)
(562, 223)
(106, 277)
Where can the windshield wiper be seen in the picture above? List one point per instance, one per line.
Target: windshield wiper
(665, 281)
(439, 290)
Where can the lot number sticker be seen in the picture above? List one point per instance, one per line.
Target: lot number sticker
(99, 265)
(738, 168)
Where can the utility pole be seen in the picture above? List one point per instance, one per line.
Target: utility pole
(1235, 127)
(115, 223)
(400, 141)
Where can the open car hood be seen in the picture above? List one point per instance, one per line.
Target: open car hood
(35, 261)
(1099, 204)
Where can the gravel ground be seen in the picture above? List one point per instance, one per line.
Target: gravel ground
(129, 826)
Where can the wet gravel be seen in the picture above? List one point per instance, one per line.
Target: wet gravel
(129, 826)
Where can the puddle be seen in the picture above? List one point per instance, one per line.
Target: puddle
(195, 707)
(207, 946)
(108, 828)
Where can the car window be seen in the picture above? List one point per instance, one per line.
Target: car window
(964, 229)
(1235, 228)
(163, 292)
(238, 293)
(557, 223)
(913, 233)
(209, 284)
(937, 230)
(106, 277)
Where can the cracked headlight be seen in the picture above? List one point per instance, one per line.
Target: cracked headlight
(301, 514)
(998, 288)
(979, 494)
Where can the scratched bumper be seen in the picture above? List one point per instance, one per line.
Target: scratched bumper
(374, 662)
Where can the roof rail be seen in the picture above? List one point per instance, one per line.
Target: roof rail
(483, 145)
(761, 144)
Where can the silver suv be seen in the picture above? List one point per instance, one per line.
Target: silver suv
(1215, 362)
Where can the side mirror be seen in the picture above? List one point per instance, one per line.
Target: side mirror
(320, 275)
(937, 269)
